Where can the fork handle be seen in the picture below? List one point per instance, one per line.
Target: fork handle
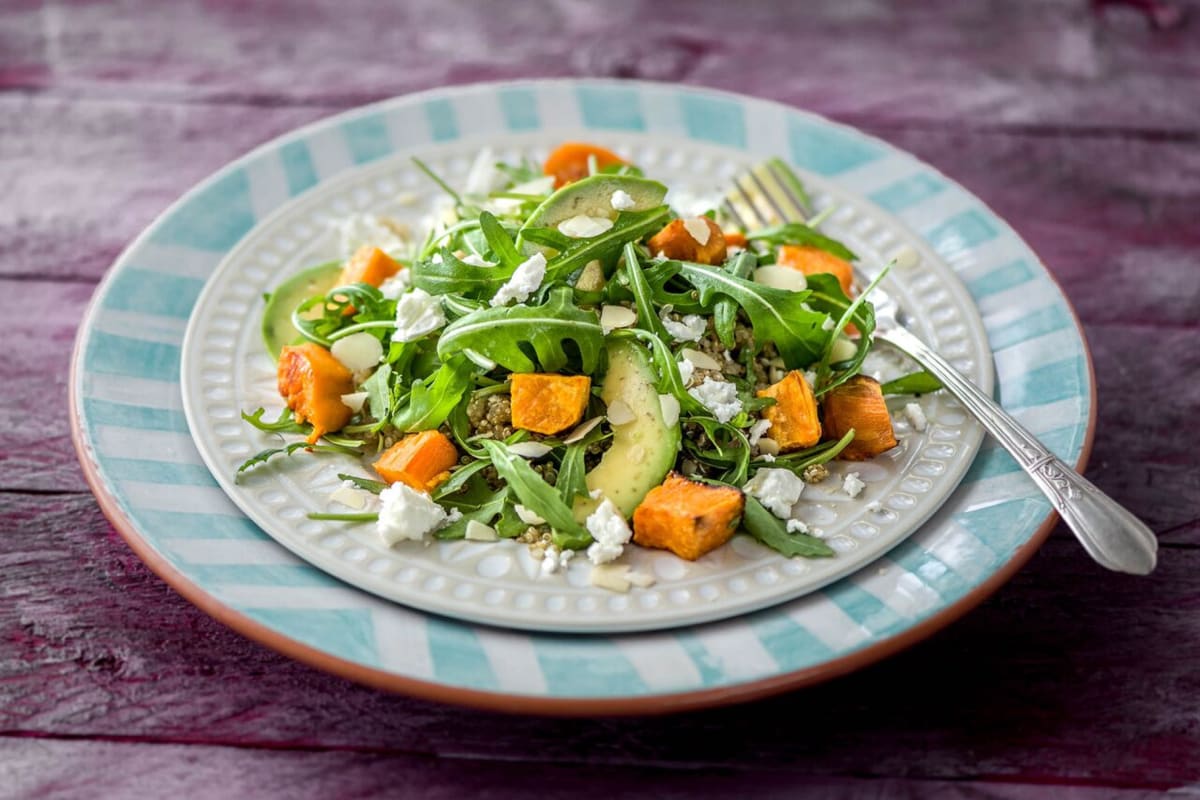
(1110, 534)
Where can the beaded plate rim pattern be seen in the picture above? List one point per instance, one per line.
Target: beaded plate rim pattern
(225, 371)
(138, 457)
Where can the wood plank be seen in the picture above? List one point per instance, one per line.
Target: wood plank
(1068, 672)
(199, 771)
(1041, 62)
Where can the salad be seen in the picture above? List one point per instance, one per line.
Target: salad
(565, 361)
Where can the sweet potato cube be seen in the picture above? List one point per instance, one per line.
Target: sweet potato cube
(678, 242)
(569, 161)
(794, 421)
(686, 517)
(814, 261)
(858, 403)
(420, 460)
(547, 403)
(368, 265)
(312, 382)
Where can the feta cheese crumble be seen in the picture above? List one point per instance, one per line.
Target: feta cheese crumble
(582, 226)
(417, 314)
(719, 397)
(796, 526)
(689, 329)
(621, 200)
(697, 228)
(408, 515)
(396, 285)
(916, 416)
(611, 532)
(777, 489)
(686, 370)
(852, 484)
(757, 431)
(525, 280)
(554, 559)
(875, 507)
(359, 230)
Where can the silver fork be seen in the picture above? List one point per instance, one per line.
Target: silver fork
(770, 194)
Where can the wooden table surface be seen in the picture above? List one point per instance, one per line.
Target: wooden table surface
(1082, 129)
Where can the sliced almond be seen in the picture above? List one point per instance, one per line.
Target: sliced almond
(699, 359)
(768, 446)
(613, 317)
(670, 409)
(478, 532)
(642, 580)
(614, 577)
(697, 228)
(358, 351)
(354, 401)
(349, 497)
(582, 430)
(619, 413)
(530, 450)
(781, 278)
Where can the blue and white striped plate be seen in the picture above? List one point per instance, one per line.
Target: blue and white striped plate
(146, 472)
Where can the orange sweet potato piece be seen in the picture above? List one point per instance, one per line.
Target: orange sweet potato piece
(312, 382)
(858, 404)
(814, 260)
(569, 161)
(420, 460)
(735, 239)
(368, 265)
(675, 241)
(794, 421)
(546, 403)
(686, 517)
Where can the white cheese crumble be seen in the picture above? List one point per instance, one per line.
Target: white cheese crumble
(768, 457)
(777, 489)
(719, 397)
(554, 559)
(396, 285)
(852, 484)
(525, 280)
(581, 226)
(357, 352)
(875, 507)
(611, 532)
(476, 260)
(483, 177)
(689, 329)
(697, 228)
(621, 200)
(796, 526)
(757, 431)
(417, 314)
(916, 416)
(686, 370)
(359, 230)
(409, 515)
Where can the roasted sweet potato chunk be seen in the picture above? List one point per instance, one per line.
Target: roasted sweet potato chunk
(368, 265)
(794, 421)
(312, 382)
(686, 517)
(814, 261)
(546, 403)
(569, 161)
(858, 403)
(420, 460)
(685, 240)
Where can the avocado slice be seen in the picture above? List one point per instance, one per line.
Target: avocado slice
(593, 196)
(644, 450)
(277, 327)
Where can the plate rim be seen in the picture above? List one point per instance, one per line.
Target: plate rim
(515, 702)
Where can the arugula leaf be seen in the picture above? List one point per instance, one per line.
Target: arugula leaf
(547, 237)
(431, 400)
(459, 478)
(537, 495)
(450, 275)
(861, 312)
(366, 484)
(730, 449)
(379, 392)
(915, 383)
(287, 450)
(725, 311)
(285, 423)
(356, 305)
(484, 513)
(777, 315)
(771, 531)
(818, 454)
(499, 240)
(510, 336)
(801, 234)
(510, 525)
(647, 319)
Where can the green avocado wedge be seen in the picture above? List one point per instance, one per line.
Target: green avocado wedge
(644, 449)
(592, 197)
(277, 327)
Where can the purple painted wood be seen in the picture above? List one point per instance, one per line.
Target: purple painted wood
(1081, 130)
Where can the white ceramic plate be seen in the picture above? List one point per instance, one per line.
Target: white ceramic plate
(225, 370)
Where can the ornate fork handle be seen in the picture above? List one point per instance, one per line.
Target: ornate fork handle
(1112, 536)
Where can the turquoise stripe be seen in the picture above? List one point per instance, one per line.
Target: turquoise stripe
(210, 575)
(791, 645)
(1050, 319)
(214, 219)
(994, 461)
(961, 232)
(443, 122)
(1004, 526)
(706, 665)
(865, 609)
(137, 469)
(122, 415)
(1001, 279)
(818, 148)
(367, 138)
(908, 192)
(932, 571)
(610, 107)
(589, 666)
(109, 354)
(298, 166)
(1061, 380)
(189, 525)
(458, 658)
(347, 633)
(714, 119)
(520, 109)
(152, 293)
